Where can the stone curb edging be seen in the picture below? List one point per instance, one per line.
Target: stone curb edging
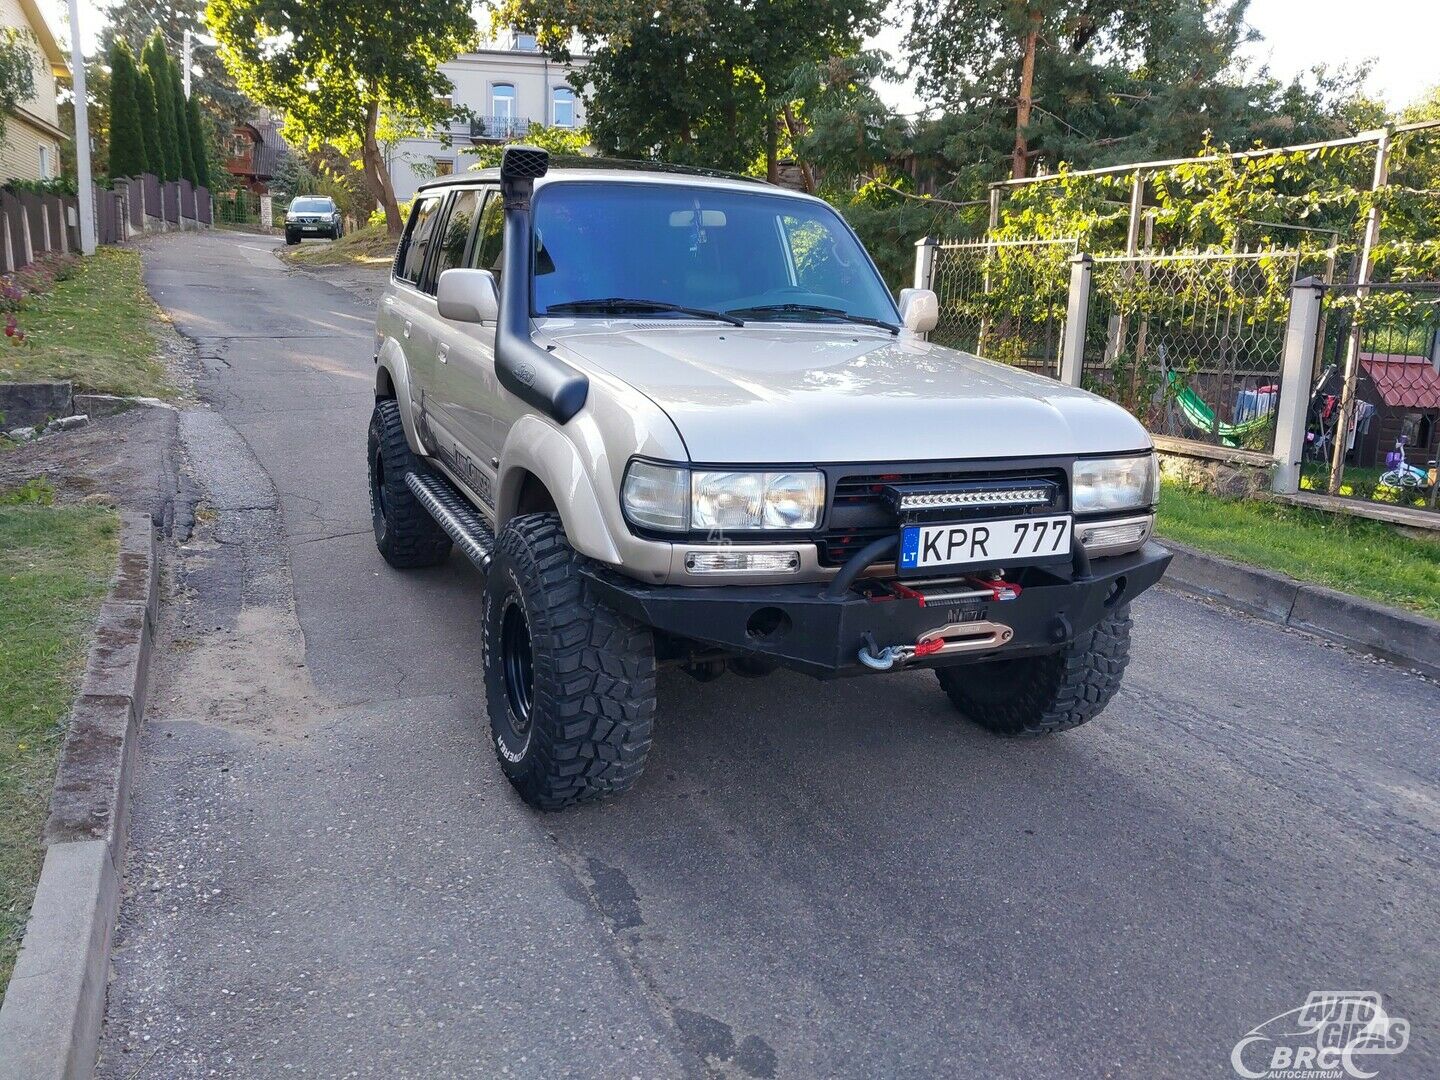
(1412, 641)
(50, 1022)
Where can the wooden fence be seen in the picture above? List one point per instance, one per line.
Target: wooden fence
(32, 224)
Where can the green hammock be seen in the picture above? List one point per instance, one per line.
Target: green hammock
(1198, 414)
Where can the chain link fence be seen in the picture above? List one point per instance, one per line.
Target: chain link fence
(1004, 300)
(1388, 335)
(1192, 344)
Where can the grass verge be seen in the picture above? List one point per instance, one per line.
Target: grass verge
(371, 245)
(55, 568)
(1368, 558)
(95, 324)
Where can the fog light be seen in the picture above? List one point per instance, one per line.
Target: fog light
(742, 562)
(1127, 533)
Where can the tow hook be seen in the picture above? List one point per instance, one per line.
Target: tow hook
(954, 638)
(888, 657)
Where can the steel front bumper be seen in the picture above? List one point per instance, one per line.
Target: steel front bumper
(799, 626)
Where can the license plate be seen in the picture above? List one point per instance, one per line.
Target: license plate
(1006, 542)
(310, 228)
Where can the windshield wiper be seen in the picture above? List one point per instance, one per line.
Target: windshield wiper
(625, 303)
(813, 309)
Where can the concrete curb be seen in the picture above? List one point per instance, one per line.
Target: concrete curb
(1412, 641)
(55, 1004)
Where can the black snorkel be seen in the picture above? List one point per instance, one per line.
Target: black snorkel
(536, 376)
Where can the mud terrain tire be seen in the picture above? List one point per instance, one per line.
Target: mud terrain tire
(570, 684)
(405, 533)
(1042, 695)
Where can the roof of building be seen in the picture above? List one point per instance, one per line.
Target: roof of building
(270, 146)
(45, 37)
(1404, 382)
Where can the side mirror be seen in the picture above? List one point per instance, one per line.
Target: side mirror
(919, 310)
(468, 296)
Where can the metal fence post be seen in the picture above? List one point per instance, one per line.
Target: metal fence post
(1077, 314)
(1297, 374)
(925, 261)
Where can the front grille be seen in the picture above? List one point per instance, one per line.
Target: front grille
(859, 511)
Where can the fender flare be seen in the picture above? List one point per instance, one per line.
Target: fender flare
(390, 363)
(540, 449)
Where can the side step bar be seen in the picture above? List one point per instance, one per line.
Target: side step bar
(453, 513)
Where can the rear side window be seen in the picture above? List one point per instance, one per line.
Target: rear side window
(489, 243)
(416, 245)
(455, 237)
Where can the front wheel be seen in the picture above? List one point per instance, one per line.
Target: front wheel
(1042, 695)
(570, 684)
(291, 239)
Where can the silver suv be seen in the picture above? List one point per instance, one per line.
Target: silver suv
(677, 419)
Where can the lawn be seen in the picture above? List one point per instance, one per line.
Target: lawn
(1368, 558)
(371, 245)
(95, 324)
(55, 568)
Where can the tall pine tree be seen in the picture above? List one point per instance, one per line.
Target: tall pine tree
(149, 120)
(127, 139)
(199, 145)
(182, 121)
(157, 63)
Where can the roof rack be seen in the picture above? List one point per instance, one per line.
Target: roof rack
(582, 161)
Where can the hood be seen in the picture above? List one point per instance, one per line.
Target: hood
(817, 395)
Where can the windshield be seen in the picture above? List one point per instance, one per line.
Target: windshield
(701, 248)
(311, 206)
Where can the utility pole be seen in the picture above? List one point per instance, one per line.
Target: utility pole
(86, 194)
(185, 64)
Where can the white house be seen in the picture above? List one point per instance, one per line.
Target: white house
(506, 88)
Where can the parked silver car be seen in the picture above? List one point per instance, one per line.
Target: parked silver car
(678, 420)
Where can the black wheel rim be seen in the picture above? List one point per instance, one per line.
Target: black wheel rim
(518, 666)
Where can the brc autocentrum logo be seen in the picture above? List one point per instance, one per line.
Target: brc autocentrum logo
(1335, 1034)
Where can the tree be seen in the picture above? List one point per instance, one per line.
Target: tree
(135, 21)
(127, 140)
(157, 65)
(17, 71)
(178, 104)
(149, 120)
(340, 71)
(198, 129)
(695, 81)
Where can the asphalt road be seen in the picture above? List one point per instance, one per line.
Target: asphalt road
(328, 875)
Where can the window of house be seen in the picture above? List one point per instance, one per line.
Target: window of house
(490, 241)
(45, 163)
(525, 42)
(1418, 429)
(563, 107)
(410, 260)
(444, 166)
(455, 237)
(502, 101)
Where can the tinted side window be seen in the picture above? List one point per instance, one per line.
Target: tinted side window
(489, 243)
(455, 237)
(411, 259)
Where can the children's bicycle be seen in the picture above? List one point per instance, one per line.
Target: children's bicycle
(1399, 473)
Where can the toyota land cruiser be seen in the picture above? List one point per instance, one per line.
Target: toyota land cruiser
(676, 418)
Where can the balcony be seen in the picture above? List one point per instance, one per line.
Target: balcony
(493, 128)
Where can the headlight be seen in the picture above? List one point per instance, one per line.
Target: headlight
(675, 499)
(1127, 483)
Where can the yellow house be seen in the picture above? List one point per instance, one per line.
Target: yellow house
(31, 146)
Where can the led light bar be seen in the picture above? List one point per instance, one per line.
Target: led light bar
(742, 562)
(946, 500)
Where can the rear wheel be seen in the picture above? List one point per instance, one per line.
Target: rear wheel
(1042, 695)
(570, 684)
(405, 533)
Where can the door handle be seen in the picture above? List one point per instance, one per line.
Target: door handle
(444, 353)
(407, 328)
(389, 301)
